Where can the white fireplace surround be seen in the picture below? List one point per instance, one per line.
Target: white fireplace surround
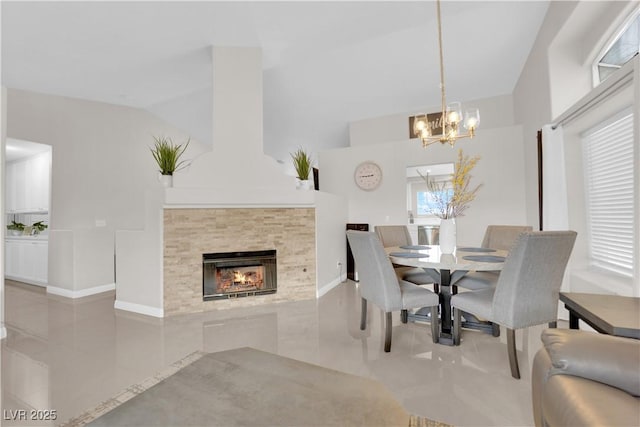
(234, 174)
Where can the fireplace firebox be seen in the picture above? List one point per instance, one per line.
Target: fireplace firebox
(238, 274)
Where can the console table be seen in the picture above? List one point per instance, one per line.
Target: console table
(607, 314)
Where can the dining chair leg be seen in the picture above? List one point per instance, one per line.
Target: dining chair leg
(363, 315)
(387, 333)
(404, 316)
(435, 329)
(457, 320)
(495, 329)
(513, 355)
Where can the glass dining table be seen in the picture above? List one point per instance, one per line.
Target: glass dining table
(450, 268)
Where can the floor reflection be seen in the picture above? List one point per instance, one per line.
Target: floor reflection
(70, 355)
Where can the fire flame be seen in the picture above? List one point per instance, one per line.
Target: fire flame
(239, 277)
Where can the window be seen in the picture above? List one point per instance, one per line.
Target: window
(609, 175)
(420, 200)
(426, 201)
(620, 51)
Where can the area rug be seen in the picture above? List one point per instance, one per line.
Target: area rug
(248, 387)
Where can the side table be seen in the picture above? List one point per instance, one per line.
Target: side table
(607, 314)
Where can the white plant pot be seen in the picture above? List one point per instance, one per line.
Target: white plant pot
(447, 236)
(304, 184)
(167, 180)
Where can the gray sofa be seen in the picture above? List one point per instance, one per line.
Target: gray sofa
(583, 378)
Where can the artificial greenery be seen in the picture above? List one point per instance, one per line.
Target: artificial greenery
(302, 163)
(15, 226)
(40, 226)
(167, 154)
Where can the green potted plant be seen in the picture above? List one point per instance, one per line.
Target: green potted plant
(167, 155)
(302, 163)
(15, 228)
(38, 227)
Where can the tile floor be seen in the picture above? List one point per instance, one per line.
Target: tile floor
(69, 355)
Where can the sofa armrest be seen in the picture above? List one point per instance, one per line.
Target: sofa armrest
(611, 360)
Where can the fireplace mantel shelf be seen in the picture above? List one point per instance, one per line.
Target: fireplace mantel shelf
(180, 198)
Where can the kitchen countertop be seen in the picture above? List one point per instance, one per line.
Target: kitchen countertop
(43, 237)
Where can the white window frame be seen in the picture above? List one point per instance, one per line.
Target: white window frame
(595, 73)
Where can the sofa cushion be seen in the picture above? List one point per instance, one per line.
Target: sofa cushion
(604, 358)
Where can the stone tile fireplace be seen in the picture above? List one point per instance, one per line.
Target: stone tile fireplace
(191, 232)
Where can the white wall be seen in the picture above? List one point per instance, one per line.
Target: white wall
(575, 47)
(3, 142)
(100, 171)
(331, 220)
(532, 99)
(501, 171)
(139, 261)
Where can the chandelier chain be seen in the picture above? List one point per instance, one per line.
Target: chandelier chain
(442, 90)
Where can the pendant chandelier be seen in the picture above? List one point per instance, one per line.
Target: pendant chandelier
(445, 128)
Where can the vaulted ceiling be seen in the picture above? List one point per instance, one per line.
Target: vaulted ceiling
(325, 63)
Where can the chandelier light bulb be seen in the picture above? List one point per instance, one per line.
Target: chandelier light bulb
(472, 119)
(454, 112)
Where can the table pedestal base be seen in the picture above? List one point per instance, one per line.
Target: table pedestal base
(423, 315)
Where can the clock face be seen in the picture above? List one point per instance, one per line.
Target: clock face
(368, 176)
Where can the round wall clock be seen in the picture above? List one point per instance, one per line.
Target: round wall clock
(368, 176)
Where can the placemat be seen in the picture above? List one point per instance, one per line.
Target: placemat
(414, 247)
(476, 250)
(408, 255)
(484, 258)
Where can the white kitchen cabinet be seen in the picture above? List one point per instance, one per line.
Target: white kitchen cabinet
(37, 195)
(26, 260)
(28, 183)
(11, 258)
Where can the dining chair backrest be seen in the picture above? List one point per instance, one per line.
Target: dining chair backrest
(528, 287)
(503, 237)
(393, 235)
(378, 280)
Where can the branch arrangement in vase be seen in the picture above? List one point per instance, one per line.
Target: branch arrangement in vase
(452, 198)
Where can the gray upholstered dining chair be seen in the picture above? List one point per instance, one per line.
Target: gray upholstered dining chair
(380, 285)
(503, 236)
(500, 237)
(393, 235)
(527, 290)
(398, 235)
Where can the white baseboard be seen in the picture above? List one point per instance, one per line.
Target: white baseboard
(3, 332)
(139, 308)
(327, 287)
(81, 293)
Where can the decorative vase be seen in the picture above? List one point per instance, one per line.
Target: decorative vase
(447, 235)
(167, 180)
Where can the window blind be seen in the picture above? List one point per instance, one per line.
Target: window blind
(610, 193)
